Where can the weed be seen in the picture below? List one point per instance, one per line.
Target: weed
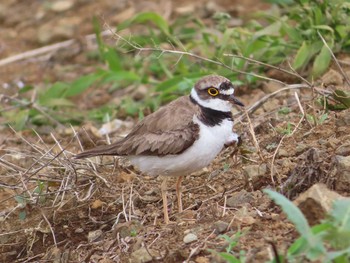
(325, 242)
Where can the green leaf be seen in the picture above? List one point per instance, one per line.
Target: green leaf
(57, 90)
(25, 89)
(119, 76)
(111, 57)
(321, 62)
(324, 27)
(182, 82)
(293, 213)
(341, 213)
(292, 33)
(59, 102)
(271, 30)
(141, 18)
(229, 257)
(80, 85)
(302, 56)
(20, 199)
(20, 119)
(343, 97)
(22, 215)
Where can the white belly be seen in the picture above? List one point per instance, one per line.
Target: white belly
(210, 142)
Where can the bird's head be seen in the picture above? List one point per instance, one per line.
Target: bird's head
(215, 92)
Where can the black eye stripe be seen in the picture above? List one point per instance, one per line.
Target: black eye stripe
(226, 86)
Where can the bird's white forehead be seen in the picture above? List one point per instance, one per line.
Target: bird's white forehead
(227, 91)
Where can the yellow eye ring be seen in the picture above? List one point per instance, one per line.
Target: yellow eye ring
(213, 92)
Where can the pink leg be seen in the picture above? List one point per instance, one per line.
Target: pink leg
(178, 193)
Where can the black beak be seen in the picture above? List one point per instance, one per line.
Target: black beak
(236, 101)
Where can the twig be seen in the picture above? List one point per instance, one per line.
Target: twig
(255, 141)
(292, 73)
(334, 58)
(256, 105)
(49, 224)
(291, 134)
(47, 49)
(185, 53)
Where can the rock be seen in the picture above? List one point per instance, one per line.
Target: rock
(301, 147)
(201, 259)
(343, 150)
(190, 238)
(252, 172)
(220, 227)
(141, 256)
(272, 105)
(271, 86)
(239, 198)
(54, 31)
(342, 172)
(343, 119)
(94, 235)
(332, 77)
(79, 230)
(316, 202)
(283, 153)
(61, 6)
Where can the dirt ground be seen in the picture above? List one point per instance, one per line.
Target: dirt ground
(102, 210)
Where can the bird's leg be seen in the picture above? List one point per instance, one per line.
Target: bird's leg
(178, 193)
(163, 189)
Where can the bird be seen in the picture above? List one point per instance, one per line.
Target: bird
(180, 137)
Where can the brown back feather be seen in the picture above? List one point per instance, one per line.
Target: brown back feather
(169, 130)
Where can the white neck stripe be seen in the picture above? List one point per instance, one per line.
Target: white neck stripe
(212, 103)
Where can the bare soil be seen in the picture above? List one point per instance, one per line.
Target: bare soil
(103, 210)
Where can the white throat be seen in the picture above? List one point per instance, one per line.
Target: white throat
(213, 103)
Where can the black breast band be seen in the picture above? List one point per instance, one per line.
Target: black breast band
(212, 117)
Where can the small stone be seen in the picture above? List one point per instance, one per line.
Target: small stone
(61, 6)
(283, 153)
(63, 29)
(141, 256)
(301, 148)
(202, 259)
(332, 77)
(190, 238)
(94, 235)
(220, 227)
(271, 86)
(272, 105)
(343, 120)
(316, 202)
(343, 150)
(253, 171)
(79, 230)
(342, 172)
(239, 198)
(97, 204)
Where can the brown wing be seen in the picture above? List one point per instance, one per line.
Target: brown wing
(170, 130)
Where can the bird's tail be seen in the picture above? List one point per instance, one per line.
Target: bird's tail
(99, 150)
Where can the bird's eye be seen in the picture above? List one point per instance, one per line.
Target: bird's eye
(213, 92)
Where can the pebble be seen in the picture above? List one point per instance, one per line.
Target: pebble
(220, 227)
(141, 256)
(255, 170)
(343, 150)
(94, 235)
(239, 198)
(190, 238)
(342, 172)
(61, 6)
